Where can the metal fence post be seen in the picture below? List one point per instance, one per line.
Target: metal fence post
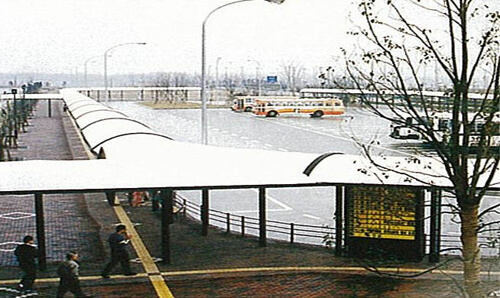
(204, 212)
(242, 226)
(228, 222)
(262, 217)
(292, 232)
(184, 210)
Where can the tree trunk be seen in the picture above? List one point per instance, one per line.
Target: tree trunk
(471, 252)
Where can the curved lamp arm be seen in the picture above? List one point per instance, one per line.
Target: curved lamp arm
(106, 95)
(204, 133)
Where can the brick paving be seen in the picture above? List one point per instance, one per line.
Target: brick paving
(67, 222)
(83, 222)
(306, 285)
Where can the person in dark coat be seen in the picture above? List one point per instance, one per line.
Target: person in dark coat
(26, 254)
(118, 242)
(68, 272)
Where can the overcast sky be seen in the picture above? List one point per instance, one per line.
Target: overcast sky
(60, 35)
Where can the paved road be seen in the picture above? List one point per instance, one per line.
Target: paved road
(300, 134)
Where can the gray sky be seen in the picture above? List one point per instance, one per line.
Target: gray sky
(60, 35)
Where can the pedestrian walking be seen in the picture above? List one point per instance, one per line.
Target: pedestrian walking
(26, 254)
(118, 242)
(137, 198)
(155, 199)
(68, 272)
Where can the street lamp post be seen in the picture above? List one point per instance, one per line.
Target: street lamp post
(204, 131)
(106, 95)
(257, 76)
(85, 69)
(14, 92)
(217, 79)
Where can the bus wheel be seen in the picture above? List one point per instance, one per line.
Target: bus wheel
(272, 114)
(248, 109)
(317, 114)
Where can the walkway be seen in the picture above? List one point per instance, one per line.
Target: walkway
(67, 221)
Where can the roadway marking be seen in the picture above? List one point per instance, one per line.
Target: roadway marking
(311, 216)
(147, 261)
(284, 207)
(17, 215)
(331, 136)
(317, 269)
(9, 243)
(261, 270)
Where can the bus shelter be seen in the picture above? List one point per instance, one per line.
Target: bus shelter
(167, 165)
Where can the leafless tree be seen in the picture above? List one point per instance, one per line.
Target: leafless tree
(293, 73)
(460, 37)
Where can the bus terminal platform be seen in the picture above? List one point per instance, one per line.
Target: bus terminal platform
(217, 265)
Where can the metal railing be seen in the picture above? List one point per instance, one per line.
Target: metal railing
(321, 235)
(246, 225)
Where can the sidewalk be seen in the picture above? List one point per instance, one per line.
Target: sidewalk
(219, 265)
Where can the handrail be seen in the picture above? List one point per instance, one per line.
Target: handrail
(234, 224)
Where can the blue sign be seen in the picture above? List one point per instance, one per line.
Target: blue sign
(272, 79)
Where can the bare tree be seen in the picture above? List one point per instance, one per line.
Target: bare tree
(293, 73)
(459, 37)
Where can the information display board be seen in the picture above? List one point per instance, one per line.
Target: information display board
(383, 218)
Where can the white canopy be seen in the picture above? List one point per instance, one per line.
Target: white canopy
(140, 158)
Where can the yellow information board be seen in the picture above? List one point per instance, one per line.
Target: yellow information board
(382, 212)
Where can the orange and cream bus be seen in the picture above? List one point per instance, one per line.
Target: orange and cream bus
(246, 103)
(243, 103)
(316, 108)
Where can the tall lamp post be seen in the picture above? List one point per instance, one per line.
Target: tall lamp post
(217, 79)
(106, 95)
(257, 76)
(85, 69)
(204, 131)
(14, 92)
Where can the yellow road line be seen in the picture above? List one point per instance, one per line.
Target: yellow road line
(142, 252)
(150, 267)
(315, 269)
(256, 270)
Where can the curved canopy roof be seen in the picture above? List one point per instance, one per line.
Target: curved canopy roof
(139, 158)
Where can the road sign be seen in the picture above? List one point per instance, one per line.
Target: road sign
(272, 79)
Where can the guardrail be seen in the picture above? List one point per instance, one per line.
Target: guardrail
(246, 225)
(313, 234)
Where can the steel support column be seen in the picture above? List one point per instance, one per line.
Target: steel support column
(40, 232)
(111, 195)
(435, 228)
(50, 108)
(166, 197)
(339, 206)
(204, 211)
(262, 217)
